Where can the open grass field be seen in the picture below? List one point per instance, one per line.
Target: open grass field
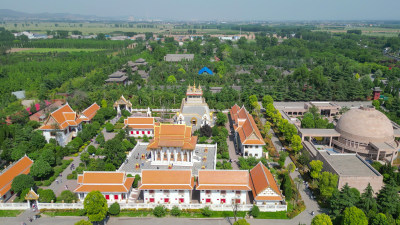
(10, 213)
(95, 28)
(46, 50)
(370, 31)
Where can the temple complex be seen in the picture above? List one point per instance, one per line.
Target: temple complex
(194, 110)
(172, 144)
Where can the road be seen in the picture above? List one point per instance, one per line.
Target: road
(231, 146)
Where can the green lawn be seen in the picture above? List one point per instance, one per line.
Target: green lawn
(10, 213)
(62, 213)
(45, 50)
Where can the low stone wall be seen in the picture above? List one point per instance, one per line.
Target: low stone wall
(215, 207)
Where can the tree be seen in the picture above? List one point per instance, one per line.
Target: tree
(327, 184)
(255, 211)
(91, 149)
(267, 99)
(241, 222)
(316, 167)
(68, 196)
(388, 198)
(171, 79)
(83, 222)
(85, 157)
(96, 206)
(41, 169)
(367, 201)
(354, 216)
(287, 187)
(114, 209)
(100, 139)
(109, 127)
(114, 152)
(291, 167)
(295, 143)
(221, 119)
(160, 211)
(22, 182)
(48, 156)
(103, 103)
(347, 197)
(380, 219)
(136, 181)
(321, 219)
(46, 195)
(205, 131)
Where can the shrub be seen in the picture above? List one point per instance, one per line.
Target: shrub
(109, 127)
(255, 211)
(175, 211)
(136, 181)
(206, 211)
(67, 196)
(82, 212)
(114, 209)
(241, 222)
(83, 222)
(70, 176)
(160, 211)
(46, 195)
(91, 149)
(225, 155)
(46, 183)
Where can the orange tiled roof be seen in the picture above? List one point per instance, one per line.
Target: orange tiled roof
(90, 112)
(140, 122)
(167, 179)
(173, 135)
(245, 126)
(261, 178)
(104, 182)
(223, 180)
(61, 118)
(22, 166)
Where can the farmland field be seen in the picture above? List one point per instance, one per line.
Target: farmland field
(370, 31)
(45, 50)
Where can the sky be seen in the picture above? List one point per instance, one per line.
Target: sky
(221, 10)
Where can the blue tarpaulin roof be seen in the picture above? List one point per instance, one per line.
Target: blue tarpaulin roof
(205, 70)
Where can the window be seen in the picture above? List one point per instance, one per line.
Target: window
(181, 200)
(151, 191)
(223, 192)
(131, 132)
(237, 200)
(142, 131)
(238, 192)
(148, 132)
(107, 197)
(166, 200)
(151, 200)
(208, 192)
(223, 200)
(116, 197)
(181, 192)
(137, 132)
(208, 200)
(166, 192)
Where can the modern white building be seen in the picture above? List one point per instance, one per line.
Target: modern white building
(22, 166)
(172, 144)
(140, 126)
(167, 186)
(223, 186)
(264, 187)
(247, 136)
(115, 186)
(62, 125)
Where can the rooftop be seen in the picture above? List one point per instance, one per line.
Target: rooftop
(349, 164)
(223, 180)
(104, 182)
(178, 57)
(173, 135)
(22, 166)
(167, 179)
(315, 132)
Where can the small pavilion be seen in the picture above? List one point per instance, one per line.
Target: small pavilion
(122, 103)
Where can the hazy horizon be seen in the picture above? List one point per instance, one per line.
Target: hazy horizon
(218, 10)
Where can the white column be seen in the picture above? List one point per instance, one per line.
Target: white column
(162, 155)
(169, 154)
(187, 155)
(181, 156)
(175, 156)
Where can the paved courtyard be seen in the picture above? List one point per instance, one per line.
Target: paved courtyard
(135, 158)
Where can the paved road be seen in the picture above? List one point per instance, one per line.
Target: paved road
(231, 146)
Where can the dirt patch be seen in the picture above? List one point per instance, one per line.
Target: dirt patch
(12, 50)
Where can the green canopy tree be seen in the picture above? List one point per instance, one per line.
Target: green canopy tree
(388, 198)
(96, 206)
(367, 201)
(22, 182)
(46, 195)
(380, 219)
(221, 119)
(321, 219)
(171, 79)
(354, 216)
(267, 99)
(41, 169)
(327, 184)
(316, 167)
(295, 143)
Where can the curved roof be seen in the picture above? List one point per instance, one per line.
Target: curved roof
(205, 70)
(365, 125)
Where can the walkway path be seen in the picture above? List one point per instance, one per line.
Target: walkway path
(231, 146)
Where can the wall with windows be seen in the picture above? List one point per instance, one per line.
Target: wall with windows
(141, 132)
(222, 197)
(166, 196)
(110, 197)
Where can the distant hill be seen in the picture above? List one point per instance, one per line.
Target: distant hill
(8, 14)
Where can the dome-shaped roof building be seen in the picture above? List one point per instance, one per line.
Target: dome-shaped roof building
(367, 132)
